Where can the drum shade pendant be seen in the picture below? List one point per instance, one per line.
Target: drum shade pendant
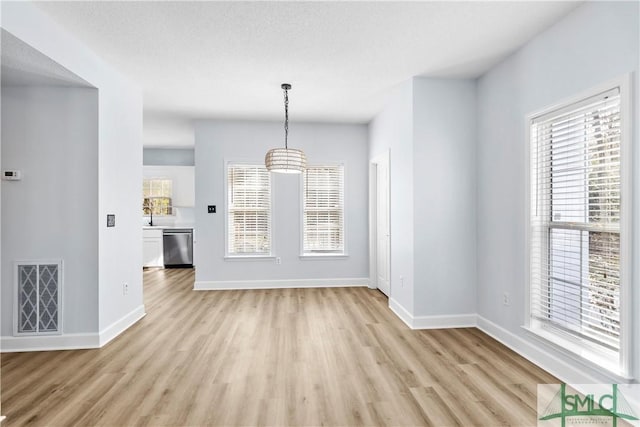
(285, 160)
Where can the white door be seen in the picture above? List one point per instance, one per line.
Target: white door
(383, 240)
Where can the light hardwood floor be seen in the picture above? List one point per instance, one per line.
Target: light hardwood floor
(308, 357)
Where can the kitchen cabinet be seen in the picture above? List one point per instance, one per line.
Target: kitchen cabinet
(152, 253)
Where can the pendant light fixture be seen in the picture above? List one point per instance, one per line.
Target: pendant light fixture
(285, 160)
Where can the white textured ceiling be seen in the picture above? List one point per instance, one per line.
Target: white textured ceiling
(227, 59)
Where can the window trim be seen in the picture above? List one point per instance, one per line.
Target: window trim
(565, 342)
(246, 257)
(325, 255)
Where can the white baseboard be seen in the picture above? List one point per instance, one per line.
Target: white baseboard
(401, 312)
(279, 284)
(577, 373)
(568, 373)
(10, 344)
(432, 322)
(121, 325)
(445, 321)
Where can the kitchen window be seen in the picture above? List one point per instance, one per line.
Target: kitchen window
(248, 210)
(577, 243)
(157, 194)
(323, 211)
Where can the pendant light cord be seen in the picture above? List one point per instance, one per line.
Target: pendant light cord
(286, 118)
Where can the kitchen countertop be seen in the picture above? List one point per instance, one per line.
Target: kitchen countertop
(167, 227)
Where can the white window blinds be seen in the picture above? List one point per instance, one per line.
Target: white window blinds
(248, 210)
(575, 220)
(323, 210)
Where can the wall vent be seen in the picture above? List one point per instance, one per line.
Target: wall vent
(38, 286)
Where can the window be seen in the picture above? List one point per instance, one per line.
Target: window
(323, 210)
(575, 227)
(157, 195)
(248, 210)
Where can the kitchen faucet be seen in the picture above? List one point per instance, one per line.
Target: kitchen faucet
(150, 206)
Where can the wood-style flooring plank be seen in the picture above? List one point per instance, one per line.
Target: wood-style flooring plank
(283, 357)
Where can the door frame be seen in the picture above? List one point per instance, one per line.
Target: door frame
(383, 158)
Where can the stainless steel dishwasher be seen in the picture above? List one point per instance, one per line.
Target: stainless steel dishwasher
(178, 247)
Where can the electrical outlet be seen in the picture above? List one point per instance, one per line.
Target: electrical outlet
(506, 299)
(125, 288)
(401, 281)
(211, 208)
(278, 260)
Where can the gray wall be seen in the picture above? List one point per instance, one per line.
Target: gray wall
(168, 157)
(428, 126)
(392, 130)
(444, 172)
(595, 43)
(51, 136)
(119, 163)
(220, 141)
(120, 192)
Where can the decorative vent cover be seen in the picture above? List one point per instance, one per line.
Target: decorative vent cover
(38, 298)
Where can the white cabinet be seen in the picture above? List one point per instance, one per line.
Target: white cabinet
(152, 255)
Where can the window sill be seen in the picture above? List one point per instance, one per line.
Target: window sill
(323, 256)
(249, 258)
(588, 354)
